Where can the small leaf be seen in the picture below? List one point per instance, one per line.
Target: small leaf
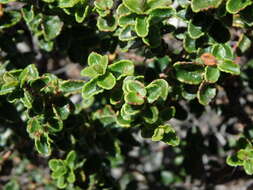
(67, 3)
(71, 177)
(135, 86)
(223, 51)
(127, 33)
(103, 4)
(189, 73)
(71, 86)
(54, 164)
(61, 182)
(8, 88)
(194, 31)
(150, 115)
(91, 89)
(71, 158)
(142, 26)
(107, 81)
(107, 24)
(43, 145)
(134, 98)
(164, 88)
(122, 68)
(234, 6)
(136, 6)
(206, 93)
(229, 66)
(200, 5)
(154, 92)
(244, 43)
(52, 26)
(212, 74)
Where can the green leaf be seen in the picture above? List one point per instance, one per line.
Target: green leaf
(234, 161)
(135, 86)
(142, 26)
(71, 177)
(158, 15)
(71, 158)
(200, 5)
(9, 19)
(170, 137)
(189, 73)
(61, 182)
(121, 122)
(91, 89)
(127, 33)
(125, 20)
(81, 12)
(194, 31)
(166, 134)
(107, 24)
(8, 88)
(34, 127)
(97, 59)
(212, 74)
(244, 43)
(107, 81)
(248, 166)
(71, 86)
(247, 15)
(154, 92)
(103, 4)
(122, 10)
(229, 66)
(67, 3)
(54, 164)
(136, 6)
(206, 93)
(223, 51)
(155, 4)
(122, 68)
(234, 6)
(134, 98)
(150, 115)
(189, 44)
(52, 26)
(43, 145)
(164, 88)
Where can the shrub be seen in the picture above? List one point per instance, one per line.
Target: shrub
(146, 64)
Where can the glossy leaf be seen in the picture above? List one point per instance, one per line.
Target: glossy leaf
(189, 73)
(229, 66)
(206, 93)
(212, 74)
(122, 68)
(200, 5)
(234, 6)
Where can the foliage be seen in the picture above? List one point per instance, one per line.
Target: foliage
(185, 54)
